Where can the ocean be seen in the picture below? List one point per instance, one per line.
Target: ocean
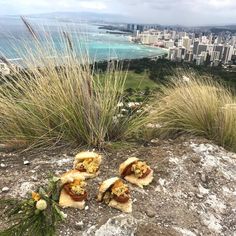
(99, 44)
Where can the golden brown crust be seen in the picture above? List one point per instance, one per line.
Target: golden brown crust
(70, 176)
(82, 156)
(86, 155)
(66, 201)
(122, 202)
(126, 163)
(140, 181)
(124, 207)
(107, 184)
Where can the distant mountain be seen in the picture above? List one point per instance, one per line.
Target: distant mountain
(84, 16)
(230, 27)
(219, 29)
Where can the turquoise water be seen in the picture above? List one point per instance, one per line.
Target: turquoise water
(100, 45)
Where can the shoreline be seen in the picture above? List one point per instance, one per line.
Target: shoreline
(147, 45)
(160, 53)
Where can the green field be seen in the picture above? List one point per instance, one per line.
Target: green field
(139, 81)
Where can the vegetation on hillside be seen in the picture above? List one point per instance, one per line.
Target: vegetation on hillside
(159, 70)
(200, 107)
(60, 98)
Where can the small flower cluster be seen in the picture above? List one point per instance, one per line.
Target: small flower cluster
(42, 205)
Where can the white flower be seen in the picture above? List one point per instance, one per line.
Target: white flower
(120, 115)
(63, 215)
(186, 79)
(134, 104)
(41, 205)
(120, 104)
(115, 119)
(131, 104)
(149, 125)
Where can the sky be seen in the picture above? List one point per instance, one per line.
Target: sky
(167, 12)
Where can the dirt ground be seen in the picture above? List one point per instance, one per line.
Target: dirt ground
(193, 191)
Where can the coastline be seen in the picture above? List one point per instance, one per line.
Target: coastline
(102, 45)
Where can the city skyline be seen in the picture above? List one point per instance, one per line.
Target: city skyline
(165, 12)
(207, 48)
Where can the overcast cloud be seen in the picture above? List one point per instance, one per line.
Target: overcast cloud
(186, 12)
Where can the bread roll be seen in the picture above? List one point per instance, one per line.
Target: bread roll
(131, 176)
(140, 182)
(106, 186)
(70, 176)
(80, 157)
(66, 201)
(124, 207)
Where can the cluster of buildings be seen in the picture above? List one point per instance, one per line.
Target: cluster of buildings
(200, 48)
(4, 69)
(7, 66)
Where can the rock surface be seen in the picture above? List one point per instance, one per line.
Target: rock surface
(193, 192)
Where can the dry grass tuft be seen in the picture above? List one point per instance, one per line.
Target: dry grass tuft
(60, 98)
(198, 106)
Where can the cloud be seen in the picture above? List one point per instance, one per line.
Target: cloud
(29, 6)
(93, 5)
(190, 12)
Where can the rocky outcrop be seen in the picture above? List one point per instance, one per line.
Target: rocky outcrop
(193, 192)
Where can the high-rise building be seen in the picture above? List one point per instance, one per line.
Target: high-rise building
(233, 40)
(172, 54)
(195, 47)
(200, 59)
(227, 54)
(169, 44)
(204, 39)
(186, 42)
(173, 35)
(201, 48)
(140, 28)
(188, 57)
(215, 57)
(219, 48)
(210, 48)
(210, 39)
(219, 39)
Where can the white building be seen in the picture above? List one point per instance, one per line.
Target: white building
(233, 41)
(186, 42)
(172, 53)
(169, 44)
(215, 57)
(4, 69)
(200, 59)
(210, 48)
(204, 40)
(228, 53)
(149, 37)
